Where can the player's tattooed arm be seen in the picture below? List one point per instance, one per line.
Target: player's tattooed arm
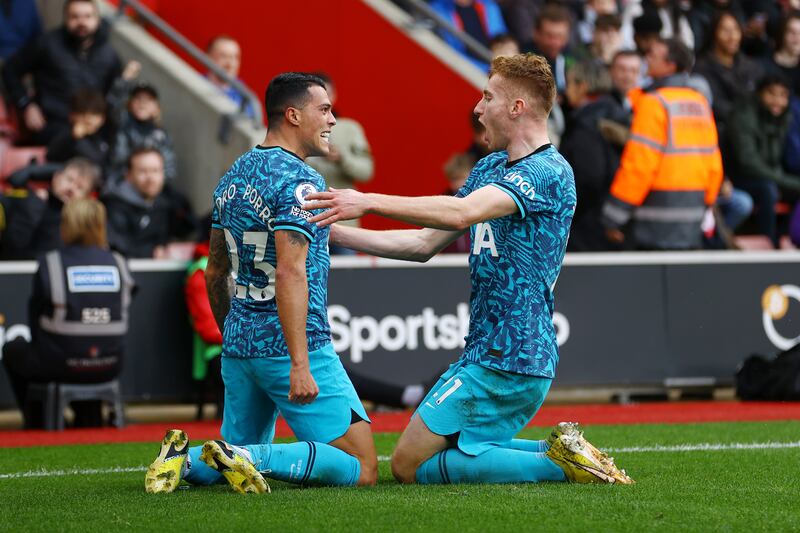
(219, 282)
(291, 297)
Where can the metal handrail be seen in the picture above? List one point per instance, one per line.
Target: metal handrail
(473, 45)
(198, 55)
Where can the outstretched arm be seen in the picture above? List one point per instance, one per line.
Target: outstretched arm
(439, 212)
(407, 244)
(219, 282)
(291, 294)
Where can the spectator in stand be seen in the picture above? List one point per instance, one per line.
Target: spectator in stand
(77, 332)
(646, 31)
(730, 74)
(607, 40)
(520, 16)
(586, 82)
(74, 56)
(143, 216)
(550, 39)
(34, 219)
(87, 136)
(350, 159)
(592, 11)
(704, 13)
(671, 168)
(756, 137)
(19, 25)
(226, 53)
(480, 19)
(503, 45)
(786, 58)
(674, 20)
(140, 128)
(593, 142)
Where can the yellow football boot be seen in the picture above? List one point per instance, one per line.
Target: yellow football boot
(164, 475)
(575, 456)
(240, 473)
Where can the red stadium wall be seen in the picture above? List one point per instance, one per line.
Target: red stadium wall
(414, 109)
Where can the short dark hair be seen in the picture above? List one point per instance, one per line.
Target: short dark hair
(679, 54)
(68, 3)
(624, 53)
(141, 150)
(607, 22)
(553, 13)
(648, 23)
(776, 78)
(87, 101)
(286, 90)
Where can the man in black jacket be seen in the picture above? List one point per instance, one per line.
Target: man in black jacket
(73, 56)
(142, 215)
(593, 145)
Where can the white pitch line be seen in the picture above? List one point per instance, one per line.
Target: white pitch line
(678, 448)
(707, 447)
(73, 472)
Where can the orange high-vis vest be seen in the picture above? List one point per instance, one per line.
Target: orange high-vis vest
(670, 170)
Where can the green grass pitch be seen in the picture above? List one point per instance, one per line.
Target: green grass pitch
(696, 490)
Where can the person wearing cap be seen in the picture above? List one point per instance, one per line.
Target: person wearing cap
(139, 126)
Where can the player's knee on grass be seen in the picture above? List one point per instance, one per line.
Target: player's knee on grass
(404, 466)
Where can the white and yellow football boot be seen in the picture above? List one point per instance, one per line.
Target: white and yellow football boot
(240, 473)
(583, 463)
(164, 474)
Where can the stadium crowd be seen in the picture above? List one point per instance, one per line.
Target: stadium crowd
(742, 56)
(70, 93)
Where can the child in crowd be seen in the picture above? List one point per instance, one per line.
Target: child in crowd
(139, 127)
(87, 137)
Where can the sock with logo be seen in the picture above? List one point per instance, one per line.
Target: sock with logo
(497, 465)
(306, 463)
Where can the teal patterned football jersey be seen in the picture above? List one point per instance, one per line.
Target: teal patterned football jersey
(263, 192)
(515, 262)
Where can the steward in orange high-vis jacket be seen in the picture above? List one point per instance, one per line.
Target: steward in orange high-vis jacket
(671, 168)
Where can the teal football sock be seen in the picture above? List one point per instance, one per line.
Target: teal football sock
(498, 465)
(527, 445)
(306, 463)
(196, 472)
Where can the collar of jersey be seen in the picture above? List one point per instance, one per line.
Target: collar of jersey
(539, 150)
(260, 147)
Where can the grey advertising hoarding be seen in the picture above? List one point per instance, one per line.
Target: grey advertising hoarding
(621, 319)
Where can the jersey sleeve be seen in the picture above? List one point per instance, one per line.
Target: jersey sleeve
(289, 212)
(531, 195)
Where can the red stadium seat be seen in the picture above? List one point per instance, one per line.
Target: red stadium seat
(15, 157)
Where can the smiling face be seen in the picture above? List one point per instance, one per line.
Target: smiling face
(494, 112)
(69, 184)
(775, 98)
(144, 107)
(315, 120)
